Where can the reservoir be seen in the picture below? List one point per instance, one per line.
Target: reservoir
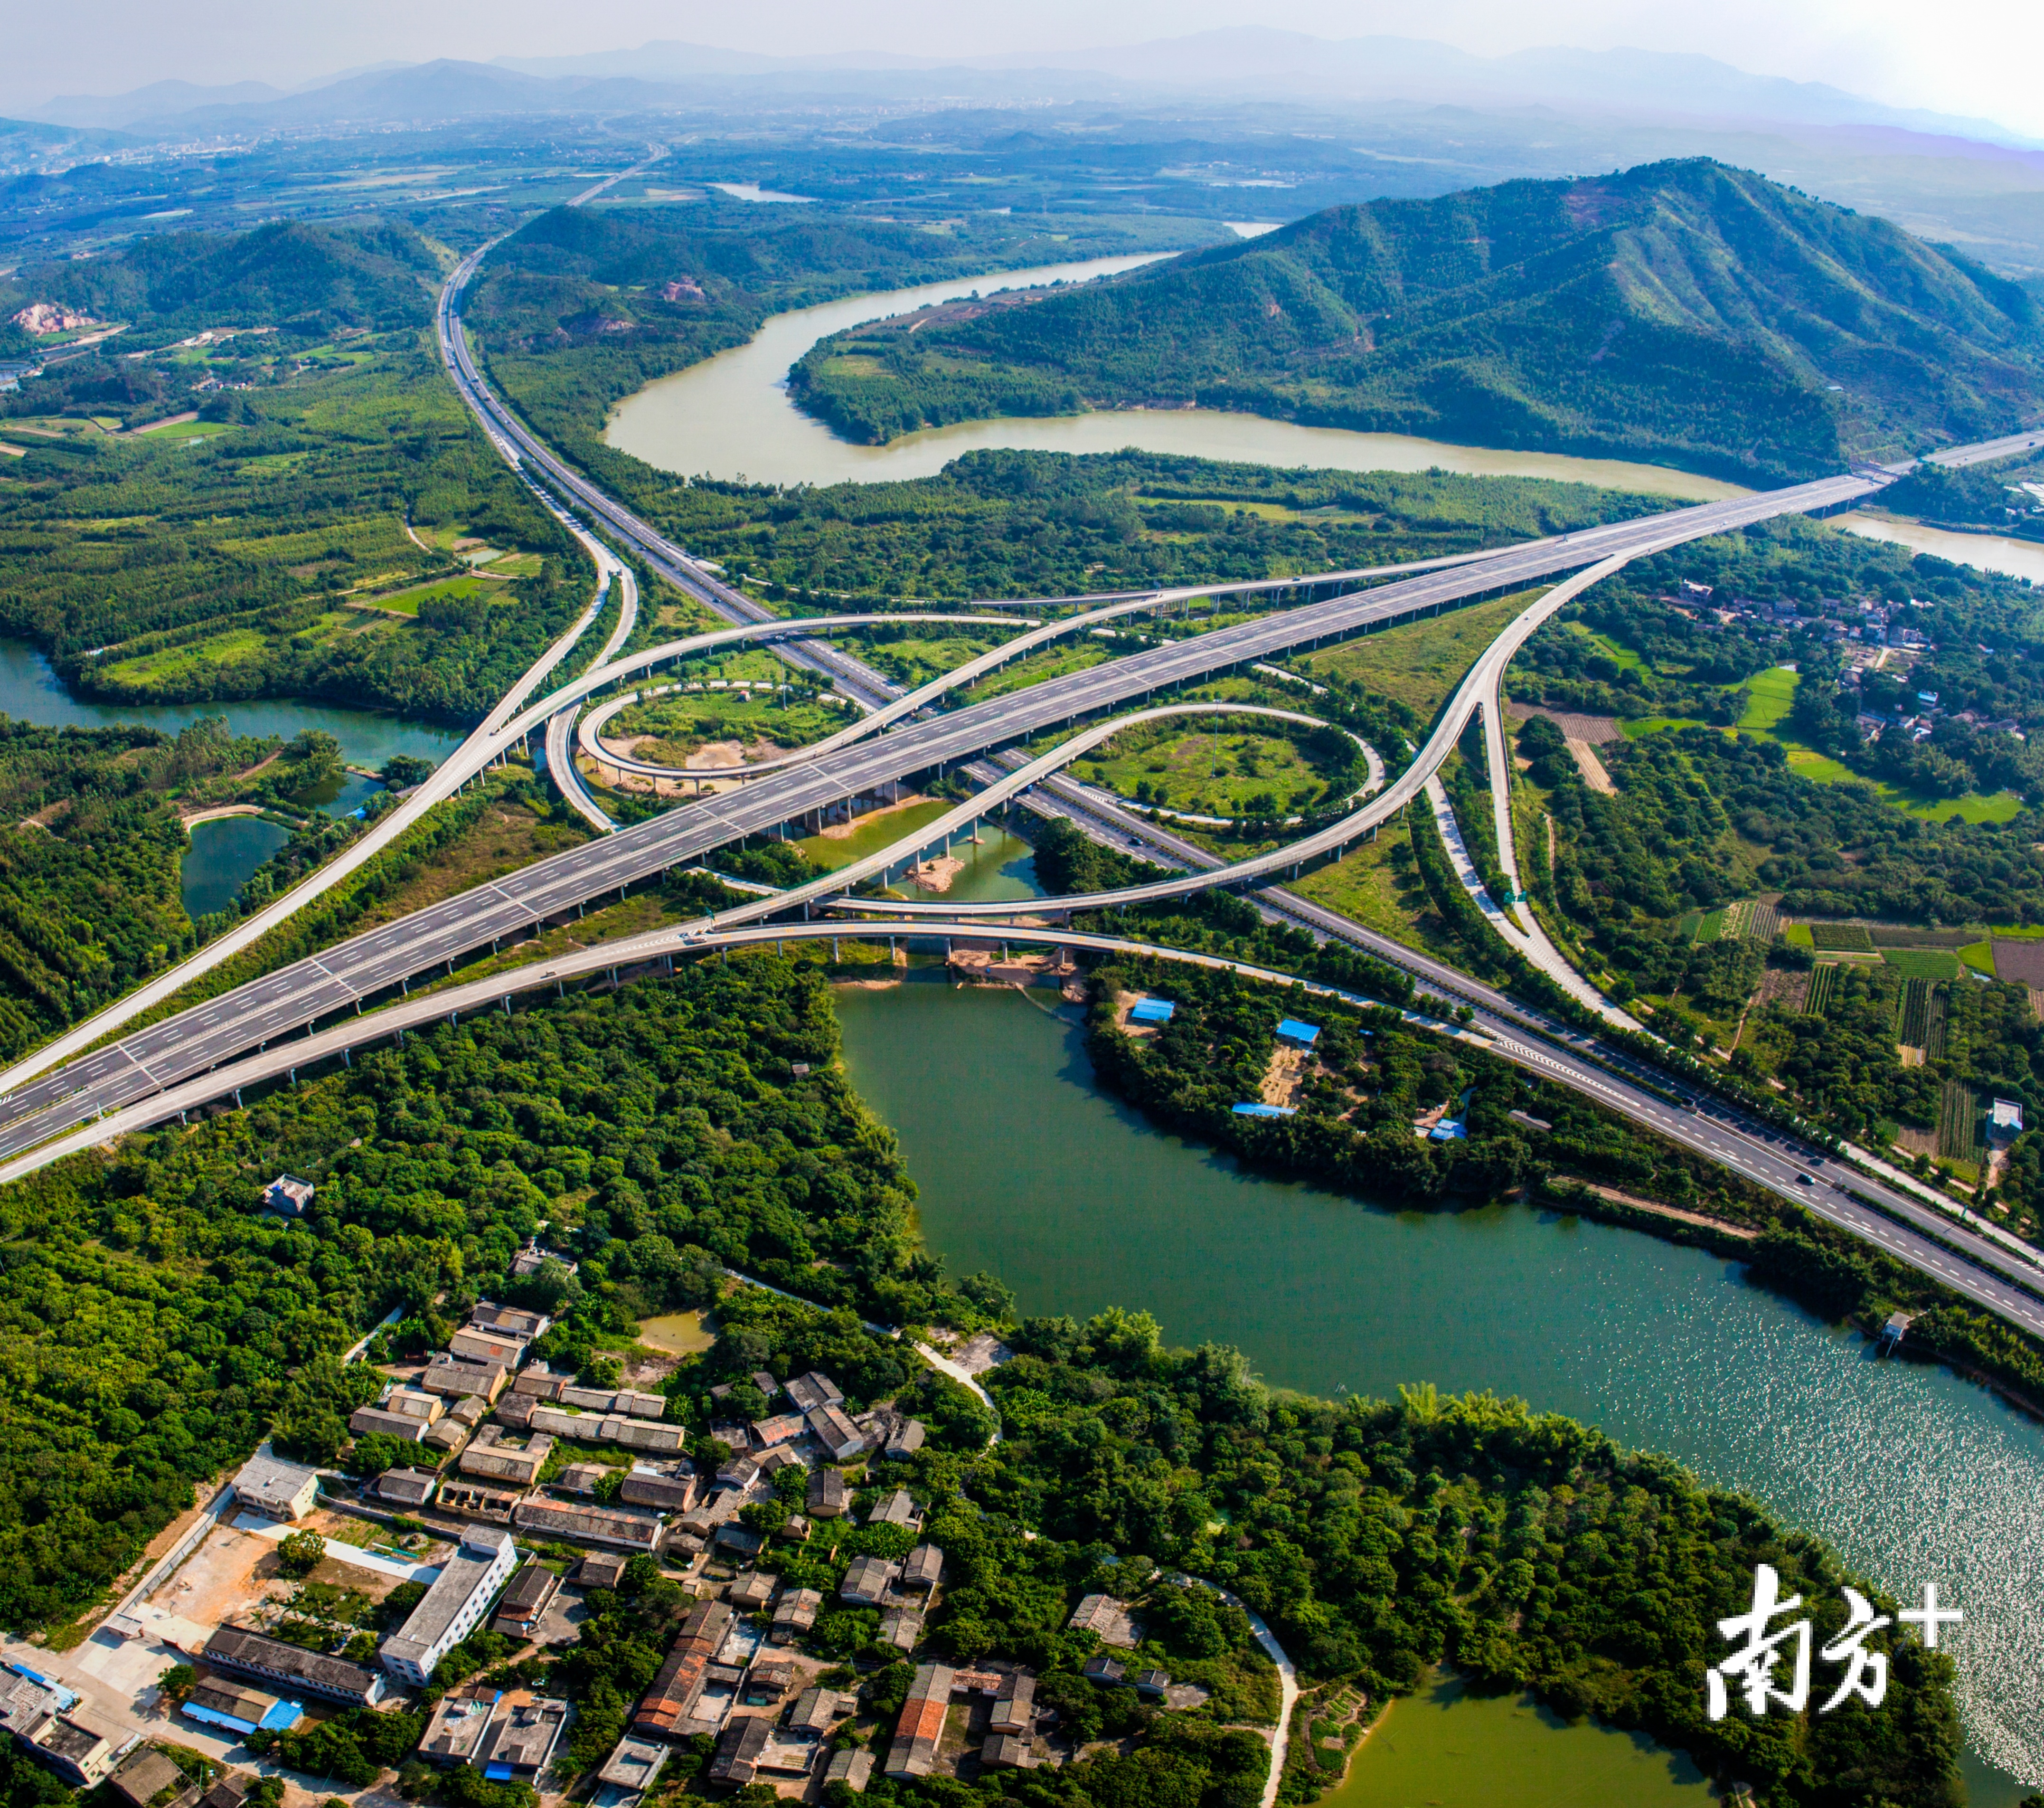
(222, 855)
(1028, 1171)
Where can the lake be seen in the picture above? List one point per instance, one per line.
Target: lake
(30, 691)
(1026, 1169)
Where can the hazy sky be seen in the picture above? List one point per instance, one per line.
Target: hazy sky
(1967, 56)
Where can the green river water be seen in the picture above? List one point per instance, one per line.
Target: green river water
(1028, 1170)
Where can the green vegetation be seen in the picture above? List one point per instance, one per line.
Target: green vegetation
(1003, 524)
(1681, 312)
(661, 1128)
(583, 306)
(157, 569)
(90, 845)
(1250, 767)
(1981, 495)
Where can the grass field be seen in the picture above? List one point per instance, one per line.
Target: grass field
(1365, 886)
(1980, 956)
(407, 602)
(1923, 963)
(1624, 658)
(873, 834)
(1421, 662)
(1211, 774)
(1770, 695)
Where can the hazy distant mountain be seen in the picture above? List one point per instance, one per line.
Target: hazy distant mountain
(1239, 62)
(160, 100)
(1682, 312)
(1255, 59)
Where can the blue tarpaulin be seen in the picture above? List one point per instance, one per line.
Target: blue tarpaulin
(1151, 1010)
(1291, 1029)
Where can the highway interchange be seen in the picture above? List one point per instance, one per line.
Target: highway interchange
(311, 1010)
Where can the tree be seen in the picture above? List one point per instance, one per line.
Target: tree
(401, 770)
(176, 1682)
(300, 1553)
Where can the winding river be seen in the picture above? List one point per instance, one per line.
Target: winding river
(731, 417)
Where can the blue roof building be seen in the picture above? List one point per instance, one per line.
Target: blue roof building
(1260, 1111)
(1151, 1010)
(236, 1708)
(1299, 1035)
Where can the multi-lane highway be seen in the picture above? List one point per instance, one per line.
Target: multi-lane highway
(170, 1065)
(342, 978)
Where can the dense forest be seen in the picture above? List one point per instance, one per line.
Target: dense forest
(1684, 311)
(663, 1128)
(90, 846)
(1005, 523)
(583, 306)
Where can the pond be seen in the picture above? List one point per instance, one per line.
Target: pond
(678, 1333)
(1026, 1169)
(1447, 1748)
(222, 855)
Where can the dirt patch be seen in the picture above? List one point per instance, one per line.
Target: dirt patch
(1659, 1210)
(1591, 768)
(1777, 987)
(2021, 963)
(937, 874)
(1596, 730)
(1281, 1079)
(1914, 1142)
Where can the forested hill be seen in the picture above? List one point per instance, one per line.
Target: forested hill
(1682, 312)
(369, 273)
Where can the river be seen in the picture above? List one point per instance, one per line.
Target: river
(732, 416)
(1078, 1204)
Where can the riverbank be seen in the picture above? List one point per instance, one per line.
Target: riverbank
(1662, 1340)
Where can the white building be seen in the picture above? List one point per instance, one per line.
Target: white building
(277, 1490)
(454, 1606)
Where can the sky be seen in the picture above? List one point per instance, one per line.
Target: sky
(1975, 57)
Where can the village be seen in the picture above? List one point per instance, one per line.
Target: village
(255, 1624)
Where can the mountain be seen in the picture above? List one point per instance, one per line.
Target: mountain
(1683, 312)
(158, 100)
(1261, 60)
(360, 274)
(1235, 63)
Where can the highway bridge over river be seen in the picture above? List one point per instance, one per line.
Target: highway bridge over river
(359, 990)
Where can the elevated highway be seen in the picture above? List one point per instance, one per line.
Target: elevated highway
(310, 1011)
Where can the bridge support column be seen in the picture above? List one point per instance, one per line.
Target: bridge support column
(347, 1057)
(237, 1099)
(833, 951)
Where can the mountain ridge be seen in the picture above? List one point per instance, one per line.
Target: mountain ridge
(1682, 312)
